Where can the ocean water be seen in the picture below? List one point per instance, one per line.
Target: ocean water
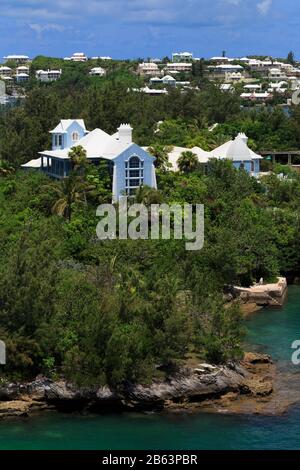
(271, 331)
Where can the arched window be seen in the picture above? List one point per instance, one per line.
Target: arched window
(242, 166)
(75, 136)
(134, 174)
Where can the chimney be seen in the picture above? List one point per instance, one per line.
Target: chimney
(243, 137)
(125, 133)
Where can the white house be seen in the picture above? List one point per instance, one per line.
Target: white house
(21, 77)
(77, 57)
(150, 91)
(130, 165)
(236, 150)
(19, 59)
(48, 75)
(179, 67)
(97, 72)
(22, 69)
(239, 153)
(182, 57)
(5, 71)
(166, 80)
(148, 68)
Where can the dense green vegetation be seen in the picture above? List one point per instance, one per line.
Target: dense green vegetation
(121, 310)
(107, 311)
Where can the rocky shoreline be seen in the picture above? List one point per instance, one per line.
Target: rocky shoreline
(243, 387)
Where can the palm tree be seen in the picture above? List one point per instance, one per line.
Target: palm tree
(78, 159)
(160, 152)
(69, 191)
(188, 162)
(147, 196)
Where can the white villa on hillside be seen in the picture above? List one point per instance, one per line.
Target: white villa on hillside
(77, 57)
(182, 57)
(130, 165)
(19, 59)
(48, 75)
(97, 72)
(179, 67)
(236, 150)
(148, 68)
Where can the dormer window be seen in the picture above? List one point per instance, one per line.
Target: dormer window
(75, 136)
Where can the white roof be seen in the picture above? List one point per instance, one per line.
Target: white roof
(236, 150)
(229, 67)
(252, 86)
(64, 124)
(169, 78)
(22, 75)
(5, 68)
(37, 163)
(97, 144)
(15, 56)
(176, 152)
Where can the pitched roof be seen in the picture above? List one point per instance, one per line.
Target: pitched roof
(97, 144)
(236, 150)
(65, 124)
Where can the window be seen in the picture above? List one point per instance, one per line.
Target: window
(134, 172)
(75, 136)
(58, 140)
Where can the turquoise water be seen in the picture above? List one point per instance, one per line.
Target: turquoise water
(271, 331)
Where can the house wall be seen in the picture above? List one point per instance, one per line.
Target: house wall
(120, 169)
(247, 165)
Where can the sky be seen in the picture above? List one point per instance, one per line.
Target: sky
(149, 28)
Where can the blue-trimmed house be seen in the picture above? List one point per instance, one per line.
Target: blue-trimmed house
(131, 166)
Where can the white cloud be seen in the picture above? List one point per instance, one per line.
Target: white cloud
(264, 6)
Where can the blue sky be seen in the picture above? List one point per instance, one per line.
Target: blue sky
(149, 28)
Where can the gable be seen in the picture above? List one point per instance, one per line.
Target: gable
(134, 149)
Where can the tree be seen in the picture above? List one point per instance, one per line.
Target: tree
(160, 152)
(188, 162)
(78, 159)
(291, 58)
(69, 191)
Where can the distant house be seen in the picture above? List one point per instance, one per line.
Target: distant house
(182, 57)
(22, 77)
(48, 75)
(223, 69)
(5, 71)
(130, 165)
(19, 59)
(77, 57)
(97, 72)
(101, 58)
(236, 150)
(22, 69)
(148, 68)
(166, 80)
(179, 67)
(239, 153)
(150, 91)
(257, 96)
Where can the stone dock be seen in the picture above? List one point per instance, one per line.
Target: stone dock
(263, 295)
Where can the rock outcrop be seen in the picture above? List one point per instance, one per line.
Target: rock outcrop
(205, 386)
